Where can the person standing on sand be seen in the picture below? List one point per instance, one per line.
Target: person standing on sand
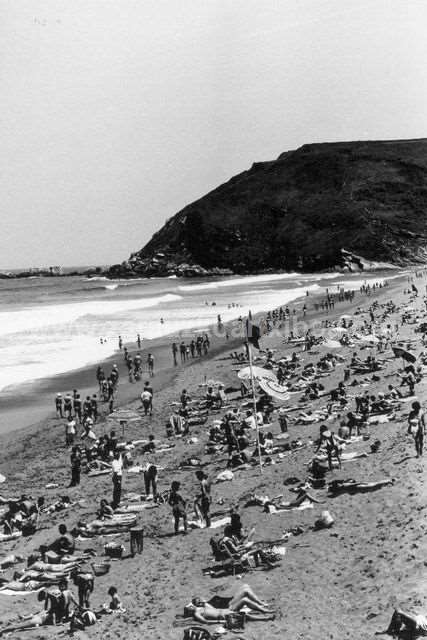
(117, 467)
(178, 505)
(68, 405)
(70, 431)
(283, 422)
(138, 341)
(58, 406)
(76, 463)
(203, 500)
(417, 427)
(150, 363)
(78, 407)
(147, 401)
(150, 479)
(94, 407)
(174, 352)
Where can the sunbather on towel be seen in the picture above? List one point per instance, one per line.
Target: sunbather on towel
(302, 496)
(244, 552)
(30, 622)
(217, 608)
(352, 486)
(18, 585)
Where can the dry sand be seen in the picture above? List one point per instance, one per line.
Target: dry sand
(337, 583)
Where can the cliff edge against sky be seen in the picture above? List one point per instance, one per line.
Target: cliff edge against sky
(321, 206)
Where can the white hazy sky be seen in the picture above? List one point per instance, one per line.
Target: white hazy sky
(116, 114)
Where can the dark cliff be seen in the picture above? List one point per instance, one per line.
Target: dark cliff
(319, 207)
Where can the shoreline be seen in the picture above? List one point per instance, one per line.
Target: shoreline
(36, 396)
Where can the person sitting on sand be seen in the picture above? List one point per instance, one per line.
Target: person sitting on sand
(217, 608)
(106, 511)
(393, 393)
(86, 618)
(328, 442)
(64, 545)
(115, 603)
(400, 621)
(66, 600)
(13, 519)
(243, 551)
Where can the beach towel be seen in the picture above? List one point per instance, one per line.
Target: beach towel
(11, 592)
(381, 418)
(353, 455)
(4, 537)
(225, 475)
(135, 508)
(99, 472)
(200, 524)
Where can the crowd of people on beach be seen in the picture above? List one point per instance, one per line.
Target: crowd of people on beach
(256, 425)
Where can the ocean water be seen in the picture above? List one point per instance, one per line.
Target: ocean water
(54, 325)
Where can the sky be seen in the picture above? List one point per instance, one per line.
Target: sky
(116, 114)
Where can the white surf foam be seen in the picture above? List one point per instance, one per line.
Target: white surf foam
(23, 320)
(247, 280)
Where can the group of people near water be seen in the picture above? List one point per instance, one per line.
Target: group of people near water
(251, 432)
(196, 348)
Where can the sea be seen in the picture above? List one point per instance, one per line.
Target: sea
(54, 325)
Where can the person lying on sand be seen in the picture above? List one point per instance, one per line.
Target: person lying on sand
(32, 621)
(352, 486)
(217, 608)
(269, 505)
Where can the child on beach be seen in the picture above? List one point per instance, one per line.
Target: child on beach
(178, 505)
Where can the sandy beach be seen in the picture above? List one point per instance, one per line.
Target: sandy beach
(336, 583)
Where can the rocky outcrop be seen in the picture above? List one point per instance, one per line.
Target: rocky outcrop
(349, 205)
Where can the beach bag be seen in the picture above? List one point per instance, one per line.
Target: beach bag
(225, 475)
(235, 620)
(325, 521)
(196, 633)
(100, 568)
(113, 549)
(28, 529)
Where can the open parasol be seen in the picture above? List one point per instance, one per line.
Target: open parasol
(331, 344)
(273, 388)
(258, 373)
(399, 352)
